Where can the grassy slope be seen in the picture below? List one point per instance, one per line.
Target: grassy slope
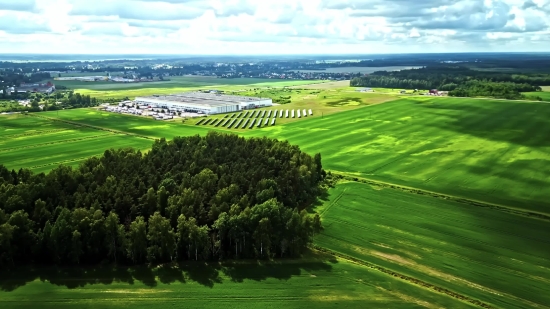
(320, 282)
(494, 151)
(494, 257)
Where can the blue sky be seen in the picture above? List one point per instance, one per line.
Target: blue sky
(273, 26)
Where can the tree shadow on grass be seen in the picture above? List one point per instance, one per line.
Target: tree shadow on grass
(522, 124)
(203, 273)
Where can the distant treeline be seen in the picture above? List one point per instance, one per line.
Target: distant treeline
(459, 81)
(198, 198)
(66, 99)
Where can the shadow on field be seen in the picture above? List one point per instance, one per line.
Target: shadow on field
(205, 273)
(523, 124)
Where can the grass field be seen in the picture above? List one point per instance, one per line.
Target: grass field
(41, 144)
(544, 95)
(497, 258)
(318, 281)
(106, 89)
(493, 151)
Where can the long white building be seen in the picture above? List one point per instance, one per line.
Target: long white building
(207, 103)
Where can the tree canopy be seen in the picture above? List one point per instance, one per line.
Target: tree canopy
(459, 81)
(198, 198)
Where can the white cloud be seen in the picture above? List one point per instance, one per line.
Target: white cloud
(273, 26)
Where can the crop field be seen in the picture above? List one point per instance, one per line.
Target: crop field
(498, 258)
(41, 144)
(544, 95)
(319, 281)
(492, 151)
(104, 89)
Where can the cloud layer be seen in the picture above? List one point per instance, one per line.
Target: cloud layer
(273, 26)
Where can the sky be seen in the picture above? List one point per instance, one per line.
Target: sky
(273, 26)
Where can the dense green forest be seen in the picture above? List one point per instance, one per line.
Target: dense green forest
(459, 81)
(199, 198)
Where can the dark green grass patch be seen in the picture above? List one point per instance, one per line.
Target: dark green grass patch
(497, 258)
(488, 150)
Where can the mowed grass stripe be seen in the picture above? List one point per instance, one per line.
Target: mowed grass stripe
(14, 125)
(49, 138)
(445, 243)
(51, 154)
(323, 283)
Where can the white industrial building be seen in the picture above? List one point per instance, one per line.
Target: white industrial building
(206, 103)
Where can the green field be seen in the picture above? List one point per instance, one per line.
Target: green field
(41, 144)
(497, 258)
(493, 151)
(544, 95)
(318, 281)
(104, 89)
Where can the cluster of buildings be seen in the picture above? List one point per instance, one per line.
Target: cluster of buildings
(46, 88)
(203, 103)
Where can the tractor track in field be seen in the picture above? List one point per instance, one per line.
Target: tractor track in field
(462, 200)
(409, 279)
(54, 143)
(77, 124)
(333, 202)
(34, 133)
(60, 162)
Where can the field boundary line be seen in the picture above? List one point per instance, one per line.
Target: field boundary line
(333, 202)
(405, 277)
(459, 199)
(93, 127)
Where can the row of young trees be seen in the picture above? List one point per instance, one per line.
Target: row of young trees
(212, 197)
(459, 81)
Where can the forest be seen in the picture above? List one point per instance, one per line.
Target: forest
(214, 197)
(458, 80)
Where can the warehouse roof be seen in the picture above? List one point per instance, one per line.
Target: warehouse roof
(184, 101)
(218, 97)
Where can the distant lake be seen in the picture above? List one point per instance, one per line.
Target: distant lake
(365, 70)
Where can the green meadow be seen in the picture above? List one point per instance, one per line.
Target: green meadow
(498, 258)
(42, 144)
(492, 151)
(317, 280)
(544, 95)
